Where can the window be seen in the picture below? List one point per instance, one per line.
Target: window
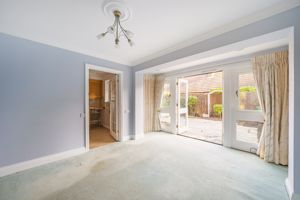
(248, 99)
(248, 131)
(166, 96)
(106, 90)
(165, 120)
(183, 96)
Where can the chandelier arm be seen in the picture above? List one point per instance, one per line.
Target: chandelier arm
(114, 25)
(104, 34)
(123, 30)
(117, 29)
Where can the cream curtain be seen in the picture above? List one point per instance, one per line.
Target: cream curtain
(159, 84)
(149, 88)
(153, 88)
(271, 76)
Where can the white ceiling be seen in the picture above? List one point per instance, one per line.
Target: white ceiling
(160, 26)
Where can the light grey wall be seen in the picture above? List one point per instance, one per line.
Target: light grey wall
(274, 23)
(41, 98)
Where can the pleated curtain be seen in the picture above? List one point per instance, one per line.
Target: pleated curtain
(153, 88)
(149, 88)
(159, 84)
(271, 76)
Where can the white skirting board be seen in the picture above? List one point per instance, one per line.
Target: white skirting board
(127, 137)
(132, 137)
(292, 195)
(10, 169)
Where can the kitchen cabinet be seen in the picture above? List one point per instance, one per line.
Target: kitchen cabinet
(96, 89)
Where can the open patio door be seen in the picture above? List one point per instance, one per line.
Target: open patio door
(167, 114)
(114, 101)
(166, 108)
(182, 106)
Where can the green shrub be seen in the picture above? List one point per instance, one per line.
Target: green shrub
(247, 89)
(216, 90)
(242, 89)
(218, 108)
(192, 101)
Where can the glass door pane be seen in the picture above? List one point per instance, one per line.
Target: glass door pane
(182, 120)
(165, 108)
(113, 106)
(248, 131)
(248, 99)
(167, 115)
(248, 118)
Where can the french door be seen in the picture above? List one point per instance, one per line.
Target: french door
(114, 99)
(182, 106)
(247, 118)
(241, 111)
(173, 113)
(167, 112)
(166, 107)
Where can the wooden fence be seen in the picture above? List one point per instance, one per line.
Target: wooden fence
(248, 101)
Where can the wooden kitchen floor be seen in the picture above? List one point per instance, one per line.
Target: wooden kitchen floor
(100, 137)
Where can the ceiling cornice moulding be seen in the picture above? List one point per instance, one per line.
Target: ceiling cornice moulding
(260, 15)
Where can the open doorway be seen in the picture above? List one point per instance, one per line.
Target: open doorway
(193, 105)
(200, 107)
(102, 108)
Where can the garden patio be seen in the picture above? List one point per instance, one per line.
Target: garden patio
(211, 130)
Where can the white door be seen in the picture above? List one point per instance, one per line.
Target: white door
(166, 107)
(167, 112)
(182, 106)
(247, 118)
(114, 99)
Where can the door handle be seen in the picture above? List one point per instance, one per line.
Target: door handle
(237, 93)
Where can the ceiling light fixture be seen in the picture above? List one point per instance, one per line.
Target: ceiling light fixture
(120, 13)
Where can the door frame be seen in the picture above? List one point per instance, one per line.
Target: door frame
(181, 75)
(227, 69)
(86, 102)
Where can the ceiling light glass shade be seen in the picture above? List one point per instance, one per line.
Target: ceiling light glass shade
(129, 33)
(117, 30)
(131, 43)
(110, 29)
(117, 43)
(101, 35)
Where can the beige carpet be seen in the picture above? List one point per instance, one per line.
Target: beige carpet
(158, 167)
